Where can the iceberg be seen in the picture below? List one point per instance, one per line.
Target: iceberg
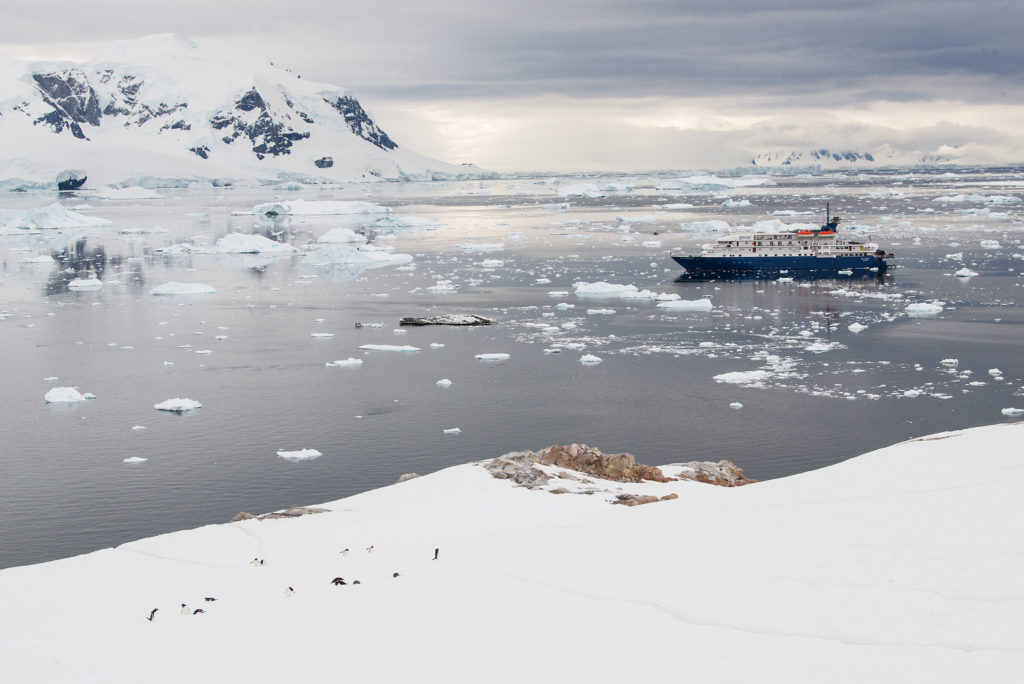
(965, 273)
(178, 405)
(350, 362)
(329, 254)
(444, 383)
(85, 284)
(52, 216)
(66, 395)
(590, 360)
(299, 455)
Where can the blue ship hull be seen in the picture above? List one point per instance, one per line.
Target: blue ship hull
(709, 265)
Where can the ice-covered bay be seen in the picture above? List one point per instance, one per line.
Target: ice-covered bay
(841, 360)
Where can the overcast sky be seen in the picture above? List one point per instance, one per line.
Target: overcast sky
(616, 84)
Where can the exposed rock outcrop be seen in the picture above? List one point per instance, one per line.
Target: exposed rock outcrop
(619, 467)
(70, 179)
(722, 473)
(447, 319)
(241, 516)
(324, 162)
(408, 476)
(294, 512)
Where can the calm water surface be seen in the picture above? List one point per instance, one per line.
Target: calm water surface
(265, 386)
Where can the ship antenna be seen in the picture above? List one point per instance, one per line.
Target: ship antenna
(828, 216)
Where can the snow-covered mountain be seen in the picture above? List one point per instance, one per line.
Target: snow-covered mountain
(162, 107)
(883, 156)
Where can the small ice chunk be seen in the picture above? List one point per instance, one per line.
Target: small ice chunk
(856, 327)
(436, 345)
(135, 459)
(1012, 411)
(735, 405)
(590, 360)
(389, 347)
(592, 312)
(687, 305)
(66, 395)
(452, 431)
(299, 455)
(138, 427)
(493, 357)
(85, 284)
(321, 334)
(952, 363)
(349, 362)
(965, 273)
(178, 405)
(923, 309)
(445, 382)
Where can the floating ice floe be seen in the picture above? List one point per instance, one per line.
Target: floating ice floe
(603, 289)
(735, 405)
(713, 226)
(965, 273)
(581, 190)
(990, 244)
(66, 395)
(436, 345)
(753, 377)
(135, 459)
(493, 357)
(132, 193)
(590, 360)
(1012, 411)
(343, 236)
(52, 216)
(245, 243)
(328, 254)
(443, 287)
(729, 203)
(389, 348)
(299, 455)
(401, 223)
(952, 363)
(178, 405)
(349, 362)
(445, 383)
(175, 288)
(651, 243)
(923, 309)
(687, 305)
(452, 431)
(856, 327)
(317, 208)
(321, 335)
(995, 372)
(492, 263)
(820, 347)
(593, 312)
(482, 246)
(85, 284)
(138, 427)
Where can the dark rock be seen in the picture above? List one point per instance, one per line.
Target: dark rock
(71, 179)
(722, 473)
(360, 123)
(408, 476)
(619, 467)
(202, 151)
(324, 162)
(635, 499)
(448, 319)
(293, 512)
(242, 516)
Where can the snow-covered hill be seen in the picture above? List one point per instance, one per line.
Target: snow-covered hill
(899, 565)
(163, 107)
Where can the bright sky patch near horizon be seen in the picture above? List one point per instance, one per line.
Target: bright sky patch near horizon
(601, 85)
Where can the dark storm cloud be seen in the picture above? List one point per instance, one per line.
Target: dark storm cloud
(407, 48)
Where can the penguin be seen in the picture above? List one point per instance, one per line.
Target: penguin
(394, 574)
(289, 592)
(345, 552)
(152, 614)
(356, 582)
(184, 609)
(197, 611)
(209, 598)
(436, 551)
(338, 581)
(369, 549)
(255, 562)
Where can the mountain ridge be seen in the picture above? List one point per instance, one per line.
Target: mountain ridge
(162, 106)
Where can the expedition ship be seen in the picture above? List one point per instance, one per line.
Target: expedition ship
(801, 251)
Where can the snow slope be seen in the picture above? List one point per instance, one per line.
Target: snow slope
(165, 110)
(900, 565)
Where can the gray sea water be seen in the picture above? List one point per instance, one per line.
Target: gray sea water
(819, 393)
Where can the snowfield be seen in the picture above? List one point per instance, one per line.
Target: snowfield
(898, 565)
